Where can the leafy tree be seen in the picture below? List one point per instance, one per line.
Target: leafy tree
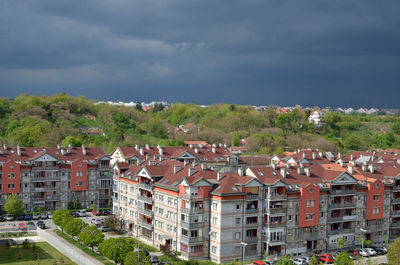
(131, 258)
(313, 261)
(139, 106)
(13, 205)
(167, 251)
(341, 243)
(74, 226)
(78, 204)
(343, 259)
(91, 236)
(393, 254)
(39, 209)
(236, 139)
(71, 205)
(116, 249)
(112, 221)
(285, 260)
(365, 242)
(60, 215)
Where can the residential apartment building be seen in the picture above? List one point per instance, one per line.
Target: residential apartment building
(301, 203)
(50, 177)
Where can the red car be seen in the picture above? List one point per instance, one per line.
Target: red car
(22, 226)
(258, 263)
(326, 258)
(96, 212)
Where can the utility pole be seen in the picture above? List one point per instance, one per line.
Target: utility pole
(244, 244)
(362, 241)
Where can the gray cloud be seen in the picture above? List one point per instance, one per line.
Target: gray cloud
(247, 52)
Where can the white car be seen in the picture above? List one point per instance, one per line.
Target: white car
(9, 217)
(364, 253)
(371, 251)
(105, 229)
(96, 221)
(82, 213)
(300, 261)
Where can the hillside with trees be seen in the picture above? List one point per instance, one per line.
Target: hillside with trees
(61, 119)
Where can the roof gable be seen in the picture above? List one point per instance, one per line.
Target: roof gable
(45, 158)
(344, 178)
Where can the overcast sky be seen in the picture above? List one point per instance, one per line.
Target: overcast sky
(259, 52)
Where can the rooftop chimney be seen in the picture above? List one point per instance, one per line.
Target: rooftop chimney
(136, 146)
(307, 171)
(177, 168)
(147, 156)
(141, 150)
(214, 150)
(304, 155)
(62, 151)
(58, 146)
(301, 165)
(241, 171)
(158, 147)
(83, 150)
(398, 161)
(314, 156)
(5, 146)
(350, 169)
(341, 163)
(371, 169)
(160, 151)
(364, 168)
(18, 150)
(339, 155)
(191, 146)
(321, 155)
(185, 162)
(299, 170)
(273, 166)
(196, 150)
(283, 172)
(147, 146)
(191, 171)
(225, 145)
(351, 157)
(219, 175)
(203, 166)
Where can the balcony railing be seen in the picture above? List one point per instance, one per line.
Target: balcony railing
(276, 197)
(342, 205)
(341, 231)
(190, 240)
(191, 196)
(341, 218)
(104, 196)
(146, 212)
(395, 225)
(194, 210)
(52, 198)
(145, 224)
(145, 186)
(396, 188)
(252, 210)
(281, 210)
(276, 225)
(250, 196)
(38, 189)
(395, 212)
(145, 199)
(343, 191)
(50, 188)
(396, 200)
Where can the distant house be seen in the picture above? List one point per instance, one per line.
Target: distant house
(188, 128)
(315, 117)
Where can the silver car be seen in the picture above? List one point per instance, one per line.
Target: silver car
(371, 251)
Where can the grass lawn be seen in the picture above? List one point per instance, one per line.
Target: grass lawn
(83, 248)
(46, 253)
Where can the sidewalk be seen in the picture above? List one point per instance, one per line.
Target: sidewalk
(30, 239)
(78, 252)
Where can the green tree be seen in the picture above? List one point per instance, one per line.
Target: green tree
(13, 205)
(393, 254)
(116, 248)
(341, 243)
(91, 236)
(365, 242)
(343, 259)
(112, 221)
(138, 106)
(236, 139)
(71, 205)
(313, 261)
(285, 260)
(396, 127)
(60, 215)
(74, 226)
(78, 204)
(131, 258)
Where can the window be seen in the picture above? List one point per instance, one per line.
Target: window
(238, 220)
(215, 206)
(376, 198)
(214, 249)
(237, 235)
(214, 220)
(237, 250)
(237, 206)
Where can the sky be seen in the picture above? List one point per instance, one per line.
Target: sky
(257, 52)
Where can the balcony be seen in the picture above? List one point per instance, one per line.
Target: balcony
(191, 240)
(343, 192)
(374, 228)
(145, 199)
(341, 218)
(395, 213)
(395, 225)
(250, 196)
(50, 188)
(276, 197)
(314, 236)
(146, 212)
(195, 210)
(396, 188)
(145, 224)
(191, 196)
(44, 179)
(251, 239)
(145, 186)
(276, 225)
(252, 210)
(38, 189)
(104, 196)
(275, 241)
(281, 210)
(52, 198)
(396, 200)
(191, 225)
(342, 205)
(340, 231)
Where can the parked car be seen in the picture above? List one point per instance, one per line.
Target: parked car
(31, 225)
(364, 253)
(105, 228)
(19, 217)
(307, 259)
(96, 212)
(49, 215)
(153, 259)
(9, 217)
(27, 217)
(35, 216)
(41, 224)
(371, 251)
(22, 226)
(82, 213)
(75, 214)
(106, 212)
(96, 221)
(43, 216)
(271, 262)
(380, 250)
(299, 261)
(145, 252)
(2, 219)
(326, 258)
(259, 263)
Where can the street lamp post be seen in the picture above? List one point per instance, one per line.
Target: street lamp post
(362, 241)
(244, 244)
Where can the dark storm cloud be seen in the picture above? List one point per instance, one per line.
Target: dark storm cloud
(248, 52)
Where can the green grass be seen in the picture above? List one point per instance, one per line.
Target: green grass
(85, 249)
(20, 234)
(82, 121)
(146, 247)
(46, 254)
